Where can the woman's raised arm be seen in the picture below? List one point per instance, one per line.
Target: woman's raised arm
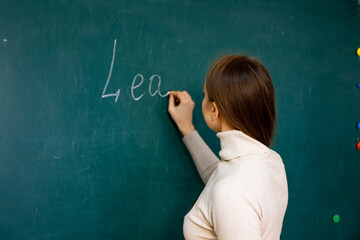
(181, 108)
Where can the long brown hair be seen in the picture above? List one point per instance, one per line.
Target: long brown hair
(243, 91)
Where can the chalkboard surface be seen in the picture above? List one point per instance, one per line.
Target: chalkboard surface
(88, 150)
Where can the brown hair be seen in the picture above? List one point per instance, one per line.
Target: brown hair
(243, 91)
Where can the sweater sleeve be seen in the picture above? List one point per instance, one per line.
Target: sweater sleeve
(205, 160)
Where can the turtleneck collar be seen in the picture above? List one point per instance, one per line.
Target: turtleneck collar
(236, 144)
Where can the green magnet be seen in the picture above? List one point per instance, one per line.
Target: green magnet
(336, 218)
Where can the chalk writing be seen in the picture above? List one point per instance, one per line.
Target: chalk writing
(138, 85)
(135, 83)
(108, 79)
(158, 89)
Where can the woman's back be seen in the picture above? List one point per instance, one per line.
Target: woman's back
(246, 196)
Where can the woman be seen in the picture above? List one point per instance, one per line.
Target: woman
(245, 196)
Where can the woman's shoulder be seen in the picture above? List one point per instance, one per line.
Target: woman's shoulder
(249, 173)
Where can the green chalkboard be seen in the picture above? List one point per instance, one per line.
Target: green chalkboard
(88, 150)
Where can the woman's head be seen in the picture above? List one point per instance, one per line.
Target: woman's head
(242, 90)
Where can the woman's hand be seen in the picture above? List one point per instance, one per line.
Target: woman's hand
(181, 108)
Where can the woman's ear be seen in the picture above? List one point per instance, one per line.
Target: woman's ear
(214, 111)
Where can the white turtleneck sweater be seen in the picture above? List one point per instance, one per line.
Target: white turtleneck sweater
(245, 195)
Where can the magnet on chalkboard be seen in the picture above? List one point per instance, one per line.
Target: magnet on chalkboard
(336, 218)
(358, 85)
(358, 125)
(358, 146)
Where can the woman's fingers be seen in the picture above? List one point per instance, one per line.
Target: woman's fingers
(171, 101)
(181, 109)
(180, 97)
(177, 95)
